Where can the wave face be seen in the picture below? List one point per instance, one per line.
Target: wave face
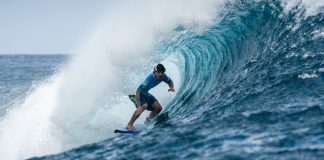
(252, 87)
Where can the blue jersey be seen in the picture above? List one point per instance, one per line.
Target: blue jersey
(151, 82)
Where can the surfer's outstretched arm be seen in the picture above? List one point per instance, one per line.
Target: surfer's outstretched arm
(170, 83)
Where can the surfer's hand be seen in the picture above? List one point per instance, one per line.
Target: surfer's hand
(171, 90)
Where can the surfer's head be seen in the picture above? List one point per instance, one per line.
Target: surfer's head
(159, 68)
(158, 71)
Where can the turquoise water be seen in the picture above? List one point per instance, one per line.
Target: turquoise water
(253, 88)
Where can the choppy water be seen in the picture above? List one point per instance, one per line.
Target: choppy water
(251, 86)
(20, 73)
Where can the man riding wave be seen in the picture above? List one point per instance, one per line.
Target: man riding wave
(144, 100)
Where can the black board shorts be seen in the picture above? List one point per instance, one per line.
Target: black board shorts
(144, 98)
(148, 98)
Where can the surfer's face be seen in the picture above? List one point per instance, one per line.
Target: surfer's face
(158, 75)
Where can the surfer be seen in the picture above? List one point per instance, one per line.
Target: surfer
(144, 100)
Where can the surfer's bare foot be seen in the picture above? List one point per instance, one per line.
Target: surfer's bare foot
(130, 127)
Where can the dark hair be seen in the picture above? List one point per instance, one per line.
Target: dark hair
(160, 68)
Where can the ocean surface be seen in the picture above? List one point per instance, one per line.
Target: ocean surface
(21, 72)
(249, 85)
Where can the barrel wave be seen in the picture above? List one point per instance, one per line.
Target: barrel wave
(252, 87)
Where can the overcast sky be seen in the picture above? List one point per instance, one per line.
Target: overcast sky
(47, 26)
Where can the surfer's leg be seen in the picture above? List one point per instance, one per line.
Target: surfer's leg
(136, 114)
(156, 109)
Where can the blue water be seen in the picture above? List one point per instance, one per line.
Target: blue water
(21, 72)
(253, 88)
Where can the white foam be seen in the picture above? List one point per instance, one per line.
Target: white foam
(25, 130)
(308, 76)
(318, 34)
(312, 7)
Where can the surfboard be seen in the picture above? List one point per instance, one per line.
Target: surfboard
(126, 131)
(138, 128)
